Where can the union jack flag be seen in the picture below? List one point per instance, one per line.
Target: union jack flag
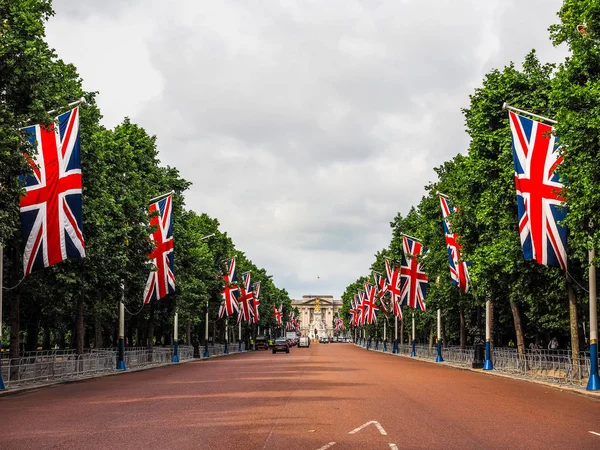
(393, 281)
(339, 324)
(278, 314)
(369, 303)
(51, 208)
(256, 301)
(414, 279)
(162, 281)
(381, 289)
(360, 309)
(353, 314)
(539, 198)
(230, 291)
(458, 271)
(246, 297)
(291, 322)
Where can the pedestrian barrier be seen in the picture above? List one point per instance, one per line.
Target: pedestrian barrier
(549, 365)
(39, 367)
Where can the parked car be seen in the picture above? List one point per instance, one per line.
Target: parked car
(304, 342)
(281, 345)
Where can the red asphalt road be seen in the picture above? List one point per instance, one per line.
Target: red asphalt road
(306, 399)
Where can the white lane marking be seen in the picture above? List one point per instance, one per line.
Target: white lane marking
(593, 432)
(393, 446)
(326, 446)
(364, 425)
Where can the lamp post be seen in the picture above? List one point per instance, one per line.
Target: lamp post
(413, 353)
(175, 338)
(2, 386)
(121, 353)
(206, 353)
(439, 337)
(594, 381)
(488, 365)
(396, 334)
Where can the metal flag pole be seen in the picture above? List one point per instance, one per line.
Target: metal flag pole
(70, 105)
(413, 353)
(175, 338)
(206, 353)
(239, 335)
(594, 381)
(488, 365)
(522, 111)
(2, 386)
(160, 197)
(226, 349)
(439, 337)
(384, 335)
(395, 334)
(121, 353)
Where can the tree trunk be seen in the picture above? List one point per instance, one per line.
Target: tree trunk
(574, 329)
(518, 327)
(31, 344)
(15, 317)
(463, 329)
(79, 326)
(188, 333)
(443, 330)
(98, 333)
(150, 336)
(46, 339)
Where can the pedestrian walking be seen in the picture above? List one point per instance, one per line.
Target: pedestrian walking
(553, 344)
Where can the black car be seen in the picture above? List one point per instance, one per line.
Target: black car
(281, 345)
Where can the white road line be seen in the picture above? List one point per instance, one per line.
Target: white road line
(593, 432)
(326, 446)
(393, 446)
(364, 425)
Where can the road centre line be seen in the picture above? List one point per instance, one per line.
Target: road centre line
(326, 446)
(393, 446)
(593, 432)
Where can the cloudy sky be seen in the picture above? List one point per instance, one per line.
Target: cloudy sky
(305, 126)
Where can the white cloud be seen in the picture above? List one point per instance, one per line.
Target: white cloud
(305, 126)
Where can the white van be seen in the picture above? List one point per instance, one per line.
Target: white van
(304, 342)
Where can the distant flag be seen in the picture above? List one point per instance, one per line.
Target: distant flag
(414, 279)
(381, 289)
(230, 291)
(256, 300)
(393, 287)
(353, 313)
(539, 191)
(246, 296)
(360, 309)
(459, 271)
(51, 217)
(161, 282)
(278, 314)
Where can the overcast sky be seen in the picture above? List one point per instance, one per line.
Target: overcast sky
(305, 126)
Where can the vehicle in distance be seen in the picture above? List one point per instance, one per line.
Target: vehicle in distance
(261, 343)
(304, 342)
(281, 345)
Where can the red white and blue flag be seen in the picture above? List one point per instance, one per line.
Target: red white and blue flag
(369, 304)
(51, 209)
(161, 282)
(353, 314)
(256, 301)
(459, 271)
(278, 314)
(414, 279)
(360, 309)
(246, 296)
(539, 199)
(393, 281)
(230, 291)
(381, 290)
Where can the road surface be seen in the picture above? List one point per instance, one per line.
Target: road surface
(335, 396)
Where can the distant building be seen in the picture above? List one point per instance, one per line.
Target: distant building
(306, 307)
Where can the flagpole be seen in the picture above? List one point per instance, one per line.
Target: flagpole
(226, 349)
(70, 105)
(395, 334)
(413, 353)
(439, 337)
(2, 386)
(160, 197)
(594, 381)
(384, 334)
(488, 365)
(512, 108)
(206, 353)
(121, 353)
(239, 336)
(175, 338)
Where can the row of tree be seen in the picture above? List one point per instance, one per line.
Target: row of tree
(531, 303)
(75, 303)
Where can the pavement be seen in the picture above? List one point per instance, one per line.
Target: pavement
(329, 396)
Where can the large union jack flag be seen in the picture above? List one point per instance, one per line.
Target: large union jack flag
(459, 272)
(369, 304)
(230, 291)
(539, 199)
(246, 300)
(256, 300)
(360, 309)
(393, 281)
(278, 314)
(353, 314)
(161, 282)
(414, 279)
(51, 216)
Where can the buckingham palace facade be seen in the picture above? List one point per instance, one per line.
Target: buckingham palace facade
(328, 306)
